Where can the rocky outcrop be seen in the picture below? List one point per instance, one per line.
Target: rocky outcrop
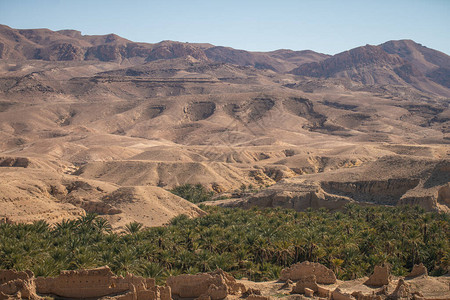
(380, 277)
(169, 50)
(100, 282)
(245, 58)
(215, 285)
(418, 270)
(377, 191)
(389, 180)
(322, 274)
(17, 285)
(99, 207)
(444, 194)
(61, 52)
(308, 195)
(106, 53)
(17, 162)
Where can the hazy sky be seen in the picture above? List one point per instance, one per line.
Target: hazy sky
(321, 25)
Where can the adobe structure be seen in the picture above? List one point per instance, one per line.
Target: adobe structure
(100, 282)
(299, 270)
(16, 285)
(214, 285)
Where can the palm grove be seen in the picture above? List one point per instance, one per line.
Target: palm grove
(255, 243)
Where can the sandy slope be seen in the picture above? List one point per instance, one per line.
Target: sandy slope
(34, 193)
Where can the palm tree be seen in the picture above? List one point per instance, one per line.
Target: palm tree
(337, 263)
(40, 226)
(124, 262)
(204, 259)
(102, 225)
(151, 269)
(87, 220)
(65, 227)
(133, 227)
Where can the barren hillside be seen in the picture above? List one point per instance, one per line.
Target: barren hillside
(88, 119)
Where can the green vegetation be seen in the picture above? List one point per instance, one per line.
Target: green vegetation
(194, 193)
(249, 189)
(254, 243)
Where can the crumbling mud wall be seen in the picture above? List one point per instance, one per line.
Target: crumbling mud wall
(314, 280)
(380, 276)
(298, 271)
(379, 286)
(418, 270)
(100, 282)
(17, 285)
(215, 285)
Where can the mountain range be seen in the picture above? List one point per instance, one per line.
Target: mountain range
(402, 62)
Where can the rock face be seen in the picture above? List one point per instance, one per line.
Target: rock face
(215, 285)
(100, 282)
(380, 277)
(322, 274)
(17, 285)
(168, 50)
(423, 182)
(418, 270)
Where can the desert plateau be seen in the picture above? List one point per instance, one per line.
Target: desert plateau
(320, 176)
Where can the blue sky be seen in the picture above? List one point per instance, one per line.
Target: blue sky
(321, 25)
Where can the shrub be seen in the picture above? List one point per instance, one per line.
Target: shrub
(194, 193)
